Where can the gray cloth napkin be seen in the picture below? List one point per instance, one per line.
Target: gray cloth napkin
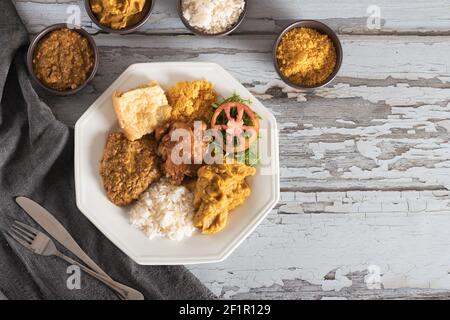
(36, 160)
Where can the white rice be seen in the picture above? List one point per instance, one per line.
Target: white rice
(164, 210)
(212, 16)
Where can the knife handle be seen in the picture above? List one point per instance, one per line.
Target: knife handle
(124, 291)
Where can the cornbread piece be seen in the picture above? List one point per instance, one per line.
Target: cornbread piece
(63, 60)
(220, 188)
(306, 57)
(140, 110)
(191, 100)
(128, 167)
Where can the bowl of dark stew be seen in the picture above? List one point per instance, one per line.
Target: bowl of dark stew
(62, 59)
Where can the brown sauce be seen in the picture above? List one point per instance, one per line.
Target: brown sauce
(63, 60)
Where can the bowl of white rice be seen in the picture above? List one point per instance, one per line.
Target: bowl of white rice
(212, 17)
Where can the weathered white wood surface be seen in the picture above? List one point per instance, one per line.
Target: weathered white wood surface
(365, 162)
(267, 16)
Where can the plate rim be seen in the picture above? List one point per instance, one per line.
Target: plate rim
(224, 252)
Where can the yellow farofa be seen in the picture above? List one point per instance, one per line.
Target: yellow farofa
(306, 57)
(191, 100)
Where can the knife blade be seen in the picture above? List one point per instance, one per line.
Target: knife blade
(50, 224)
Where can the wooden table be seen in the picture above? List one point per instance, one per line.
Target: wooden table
(365, 162)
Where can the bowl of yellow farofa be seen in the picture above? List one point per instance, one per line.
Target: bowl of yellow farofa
(307, 54)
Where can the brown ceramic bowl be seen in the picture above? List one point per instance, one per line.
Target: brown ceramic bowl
(206, 34)
(322, 28)
(148, 7)
(42, 34)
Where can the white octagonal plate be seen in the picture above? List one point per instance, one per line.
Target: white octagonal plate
(91, 132)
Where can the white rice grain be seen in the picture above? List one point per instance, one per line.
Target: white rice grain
(164, 210)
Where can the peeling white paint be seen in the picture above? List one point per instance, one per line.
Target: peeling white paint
(340, 281)
(373, 277)
(286, 125)
(345, 121)
(368, 148)
(319, 149)
(391, 95)
(309, 172)
(375, 142)
(444, 124)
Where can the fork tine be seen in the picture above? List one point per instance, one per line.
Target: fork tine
(29, 228)
(21, 235)
(19, 240)
(22, 232)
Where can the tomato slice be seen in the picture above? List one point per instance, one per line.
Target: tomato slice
(235, 129)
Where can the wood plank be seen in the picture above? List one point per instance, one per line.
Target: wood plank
(323, 245)
(267, 16)
(303, 290)
(379, 127)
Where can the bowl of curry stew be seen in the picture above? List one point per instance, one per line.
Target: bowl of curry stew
(119, 16)
(62, 59)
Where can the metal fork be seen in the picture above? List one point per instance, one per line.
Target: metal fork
(41, 244)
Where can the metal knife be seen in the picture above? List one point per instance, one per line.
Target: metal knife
(49, 223)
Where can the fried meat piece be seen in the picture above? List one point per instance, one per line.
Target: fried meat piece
(178, 165)
(128, 167)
